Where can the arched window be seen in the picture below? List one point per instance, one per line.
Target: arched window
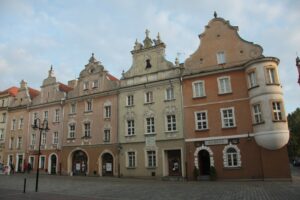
(232, 156)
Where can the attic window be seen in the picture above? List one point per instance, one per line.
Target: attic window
(221, 58)
(92, 70)
(148, 64)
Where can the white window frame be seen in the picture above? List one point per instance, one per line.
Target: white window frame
(3, 117)
(228, 118)
(95, 84)
(224, 89)
(85, 85)
(31, 160)
(55, 137)
(202, 122)
(169, 94)
(13, 124)
(87, 129)
(130, 127)
(257, 113)
(11, 142)
(56, 115)
(151, 158)
(221, 58)
(150, 125)
(19, 143)
(44, 138)
(197, 91)
(34, 116)
(271, 75)
(32, 139)
(277, 110)
(71, 133)
(252, 79)
(46, 115)
(149, 97)
(130, 100)
(229, 156)
(40, 164)
(21, 123)
(131, 159)
(1, 133)
(106, 135)
(89, 106)
(171, 124)
(73, 108)
(107, 112)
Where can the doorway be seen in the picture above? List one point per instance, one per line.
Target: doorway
(20, 163)
(53, 165)
(107, 164)
(204, 162)
(174, 162)
(79, 163)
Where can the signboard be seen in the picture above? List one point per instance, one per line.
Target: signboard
(216, 142)
(150, 141)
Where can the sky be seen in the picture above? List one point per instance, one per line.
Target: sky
(36, 34)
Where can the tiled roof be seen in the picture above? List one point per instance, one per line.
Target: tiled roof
(33, 93)
(64, 88)
(13, 91)
(112, 78)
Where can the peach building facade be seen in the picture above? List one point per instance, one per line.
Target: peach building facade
(233, 108)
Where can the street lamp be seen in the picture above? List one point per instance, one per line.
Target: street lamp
(298, 66)
(42, 127)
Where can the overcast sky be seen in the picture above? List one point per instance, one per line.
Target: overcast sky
(63, 33)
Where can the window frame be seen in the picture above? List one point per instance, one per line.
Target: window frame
(150, 125)
(252, 79)
(257, 116)
(229, 156)
(171, 123)
(280, 116)
(148, 97)
(87, 129)
(70, 131)
(106, 135)
(129, 100)
(221, 57)
(271, 80)
(131, 159)
(223, 118)
(130, 128)
(55, 137)
(56, 115)
(107, 112)
(224, 90)
(151, 158)
(202, 83)
(169, 94)
(201, 121)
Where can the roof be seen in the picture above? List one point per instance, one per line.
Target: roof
(112, 78)
(64, 88)
(13, 91)
(33, 92)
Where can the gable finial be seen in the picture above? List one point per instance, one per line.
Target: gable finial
(215, 14)
(147, 32)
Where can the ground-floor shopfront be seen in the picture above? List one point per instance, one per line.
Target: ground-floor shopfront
(93, 160)
(235, 158)
(163, 159)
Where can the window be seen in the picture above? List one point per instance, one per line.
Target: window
(46, 115)
(88, 106)
(3, 102)
(87, 129)
(73, 108)
(271, 76)
(277, 111)
(55, 137)
(221, 58)
(130, 101)
(148, 97)
(151, 155)
(107, 112)
(1, 134)
(34, 117)
(171, 123)
(224, 85)
(131, 159)
(71, 130)
(33, 139)
(21, 123)
(198, 89)
(13, 127)
(95, 84)
(42, 162)
(31, 161)
(86, 85)
(130, 127)
(170, 93)
(231, 156)
(252, 79)
(201, 120)
(43, 139)
(150, 125)
(19, 142)
(257, 114)
(106, 137)
(57, 111)
(228, 119)
(3, 117)
(11, 142)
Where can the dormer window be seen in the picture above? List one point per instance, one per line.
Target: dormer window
(221, 58)
(148, 64)
(95, 84)
(86, 85)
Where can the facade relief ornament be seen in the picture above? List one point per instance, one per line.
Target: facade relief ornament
(170, 110)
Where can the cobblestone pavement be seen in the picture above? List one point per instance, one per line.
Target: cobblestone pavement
(96, 188)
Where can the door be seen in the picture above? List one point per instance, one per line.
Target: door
(53, 164)
(107, 164)
(174, 162)
(79, 163)
(20, 163)
(204, 162)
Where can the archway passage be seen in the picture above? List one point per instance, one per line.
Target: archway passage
(79, 163)
(53, 164)
(107, 164)
(174, 162)
(204, 162)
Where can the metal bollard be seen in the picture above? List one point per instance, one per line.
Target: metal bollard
(24, 189)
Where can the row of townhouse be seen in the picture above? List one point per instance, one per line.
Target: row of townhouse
(222, 108)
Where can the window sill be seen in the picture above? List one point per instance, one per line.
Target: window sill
(202, 130)
(86, 137)
(201, 97)
(106, 142)
(147, 103)
(168, 100)
(131, 167)
(275, 121)
(258, 123)
(226, 93)
(88, 111)
(70, 138)
(107, 118)
(55, 122)
(253, 87)
(171, 132)
(70, 114)
(128, 136)
(128, 106)
(151, 168)
(232, 168)
(275, 84)
(149, 134)
(94, 88)
(232, 127)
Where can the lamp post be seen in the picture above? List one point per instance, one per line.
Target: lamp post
(298, 66)
(42, 127)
